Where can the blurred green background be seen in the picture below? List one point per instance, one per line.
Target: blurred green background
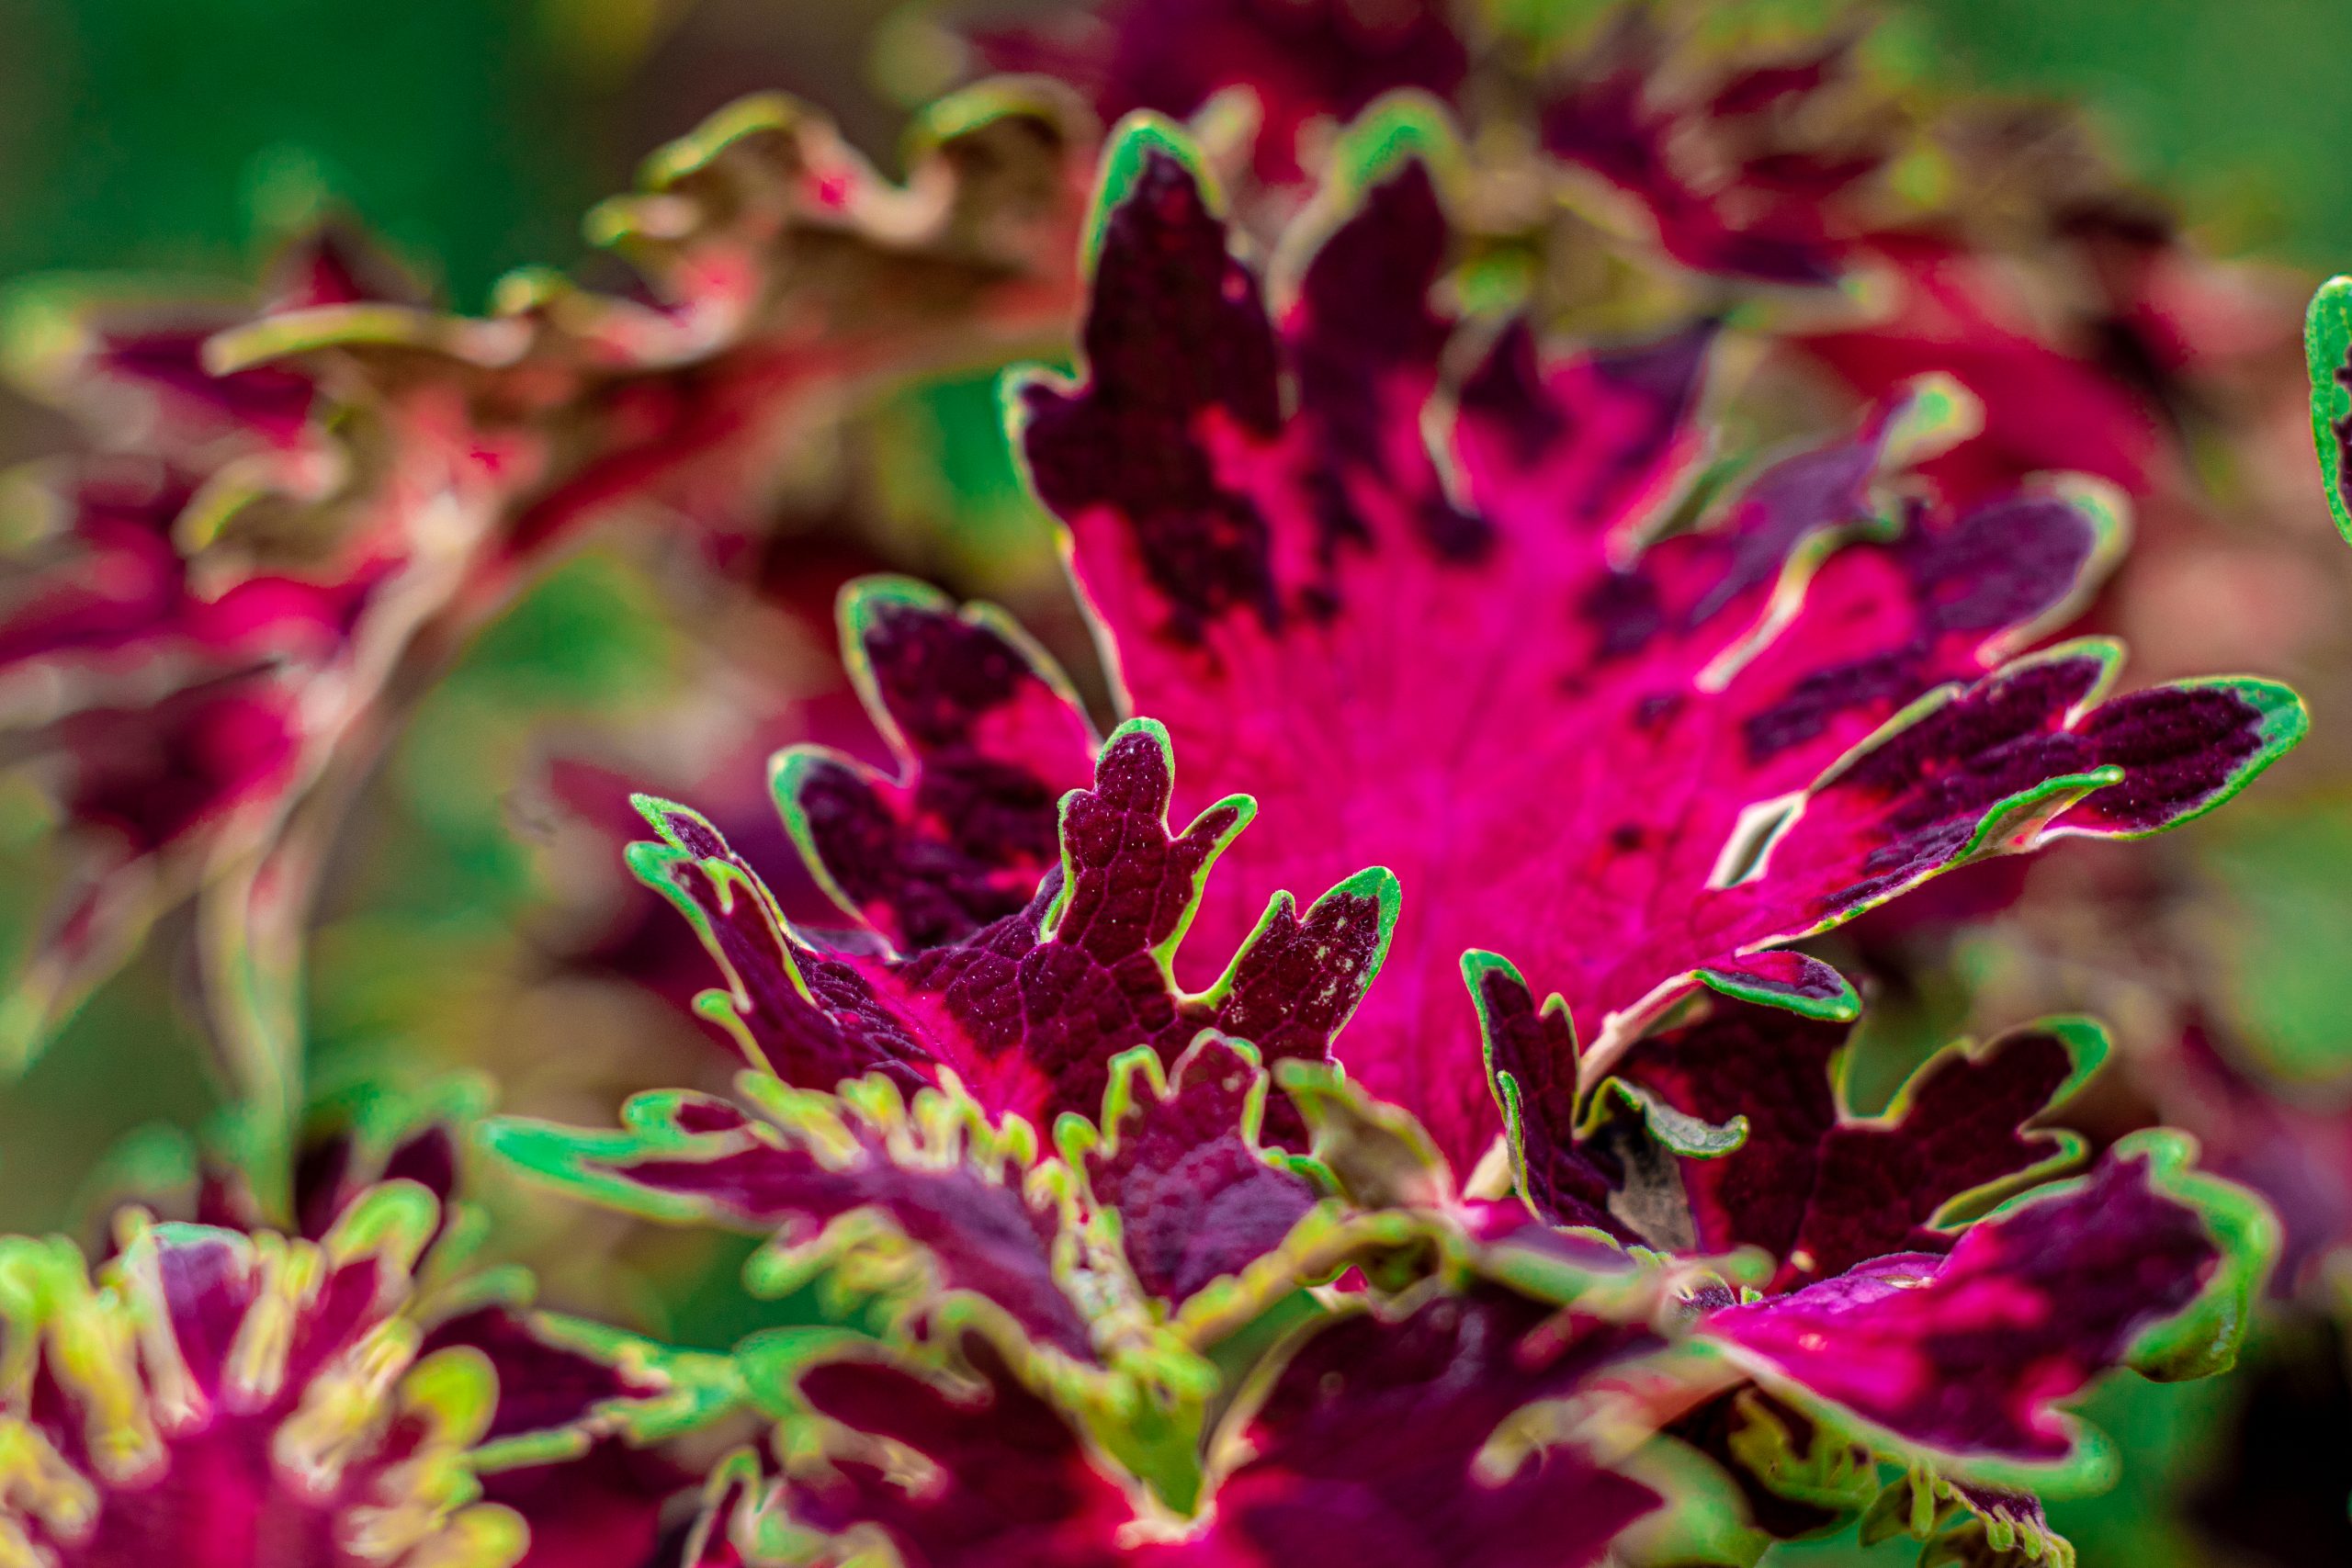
(164, 134)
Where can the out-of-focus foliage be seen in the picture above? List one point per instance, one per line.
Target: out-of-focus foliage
(146, 135)
(2230, 112)
(476, 918)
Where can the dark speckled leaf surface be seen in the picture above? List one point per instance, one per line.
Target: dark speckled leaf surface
(1029, 1010)
(1323, 558)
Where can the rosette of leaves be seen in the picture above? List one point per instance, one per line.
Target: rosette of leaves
(1583, 1298)
(548, 1432)
(1636, 744)
(1793, 172)
(1068, 1342)
(213, 1393)
(1126, 1350)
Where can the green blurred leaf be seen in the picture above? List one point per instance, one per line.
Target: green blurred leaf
(2286, 871)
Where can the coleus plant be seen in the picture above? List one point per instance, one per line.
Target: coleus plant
(213, 1395)
(1057, 1339)
(350, 480)
(327, 489)
(1790, 169)
(217, 1398)
(294, 510)
(353, 1388)
(1164, 1235)
(1651, 740)
(1637, 759)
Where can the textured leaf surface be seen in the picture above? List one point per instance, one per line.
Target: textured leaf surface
(1963, 1360)
(1367, 1446)
(1822, 1189)
(1618, 760)
(1180, 1166)
(1365, 1449)
(989, 736)
(1029, 1010)
(1011, 1479)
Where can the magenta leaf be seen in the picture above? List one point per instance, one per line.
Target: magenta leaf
(1957, 1139)
(310, 498)
(122, 578)
(1531, 1055)
(1178, 1170)
(1028, 1011)
(604, 1508)
(179, 719)
(1822, 1189)
(156, 778)
(189, 670)
(1763, 726)
(1010, 1478)
(113, 589)
(1959, 1361)
(773, 267)
(560, 1383)
(1794, 982)
(1367, 1446)
(135, 370)
(989, 736)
